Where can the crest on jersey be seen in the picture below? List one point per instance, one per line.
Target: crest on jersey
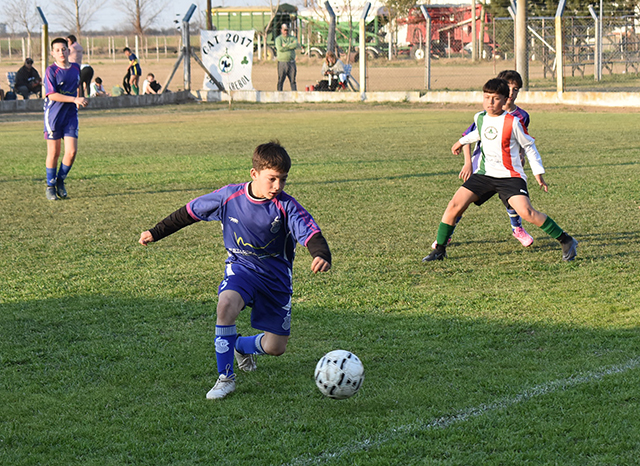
(276, 225)
(490, 132)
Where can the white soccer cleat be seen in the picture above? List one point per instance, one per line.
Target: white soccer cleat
(246, 362)
(222, 388)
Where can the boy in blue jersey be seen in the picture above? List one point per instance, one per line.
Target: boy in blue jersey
(500, 171)
(261, 225)
(61, 105)
(134, 69)
(514, 80)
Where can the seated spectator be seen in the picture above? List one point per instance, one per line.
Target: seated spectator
(333, 72)
(150, 85)
(97, 89)
(28, 80)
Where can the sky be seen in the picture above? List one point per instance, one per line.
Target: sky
(110, 17)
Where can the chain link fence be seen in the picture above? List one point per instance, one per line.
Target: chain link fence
(451, 66)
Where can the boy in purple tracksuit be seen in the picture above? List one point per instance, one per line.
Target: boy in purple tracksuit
(61, 104)
(261, 225)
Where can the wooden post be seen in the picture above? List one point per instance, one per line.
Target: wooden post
(559, 49)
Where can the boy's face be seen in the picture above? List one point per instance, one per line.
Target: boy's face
(267, 183)
(127, 53)
(513, 93)
(493, 103)
(60, 52)
(150, 78)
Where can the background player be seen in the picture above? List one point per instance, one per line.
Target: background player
(134, 70)
(261, 225)
(61, 116)
(499, 171)
(514, 80)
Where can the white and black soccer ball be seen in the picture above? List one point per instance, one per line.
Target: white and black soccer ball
(339, 374)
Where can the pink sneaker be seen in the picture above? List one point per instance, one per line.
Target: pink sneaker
(435, 243)
(521, 235)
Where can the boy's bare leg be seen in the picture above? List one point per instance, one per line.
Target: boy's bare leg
(522, 206)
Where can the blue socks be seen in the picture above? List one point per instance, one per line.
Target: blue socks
(64, 171)
(62, 174)
(51, 176)
(225, 342)
(250, 345)
(514, 218)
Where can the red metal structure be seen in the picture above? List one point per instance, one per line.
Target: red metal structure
(451, 27)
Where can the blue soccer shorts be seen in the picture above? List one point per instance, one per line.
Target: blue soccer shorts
(64, 124)
(270, 310)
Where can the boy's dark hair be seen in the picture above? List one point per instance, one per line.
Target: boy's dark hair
(497, 86)
(511, 76)
(59, 40)
(72, 38)
(271, 156)
(152, 75)
(126, 49)
(99, 80)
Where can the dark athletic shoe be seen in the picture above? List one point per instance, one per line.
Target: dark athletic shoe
(569, 250)
(62, 191)
(435, 255)
(51, 193)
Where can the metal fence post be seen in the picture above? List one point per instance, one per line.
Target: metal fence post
(427, 54)
(559, 48)
(363, 49)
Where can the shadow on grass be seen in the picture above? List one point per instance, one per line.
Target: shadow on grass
(122, 380)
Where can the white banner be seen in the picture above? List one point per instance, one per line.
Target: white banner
(228, 55)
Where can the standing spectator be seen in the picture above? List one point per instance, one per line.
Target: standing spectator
(286, 54)
(76, 53)
(150, 85)
(28, 80)
(86, 75)
(134, 70)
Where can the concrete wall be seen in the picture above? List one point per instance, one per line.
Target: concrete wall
(125, 101)
(596, 99)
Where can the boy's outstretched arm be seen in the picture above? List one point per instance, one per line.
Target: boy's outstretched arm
(319, 250)
(174, 222)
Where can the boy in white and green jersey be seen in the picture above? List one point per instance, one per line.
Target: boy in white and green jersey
(500, 171)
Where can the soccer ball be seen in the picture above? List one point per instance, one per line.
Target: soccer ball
(339, 374)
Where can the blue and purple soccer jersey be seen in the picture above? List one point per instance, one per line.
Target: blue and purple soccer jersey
(259, 234)
(61, 118)
(475, 157)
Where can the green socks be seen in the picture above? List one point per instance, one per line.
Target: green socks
(444, 233)
(550, 227)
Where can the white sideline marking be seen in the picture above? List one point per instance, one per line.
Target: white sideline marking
(466, 414)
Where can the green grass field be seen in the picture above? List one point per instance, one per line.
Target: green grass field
(498, 355)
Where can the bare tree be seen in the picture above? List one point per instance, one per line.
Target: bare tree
(141, 13)
(76, 15)
(265, 33)
(21, 15)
